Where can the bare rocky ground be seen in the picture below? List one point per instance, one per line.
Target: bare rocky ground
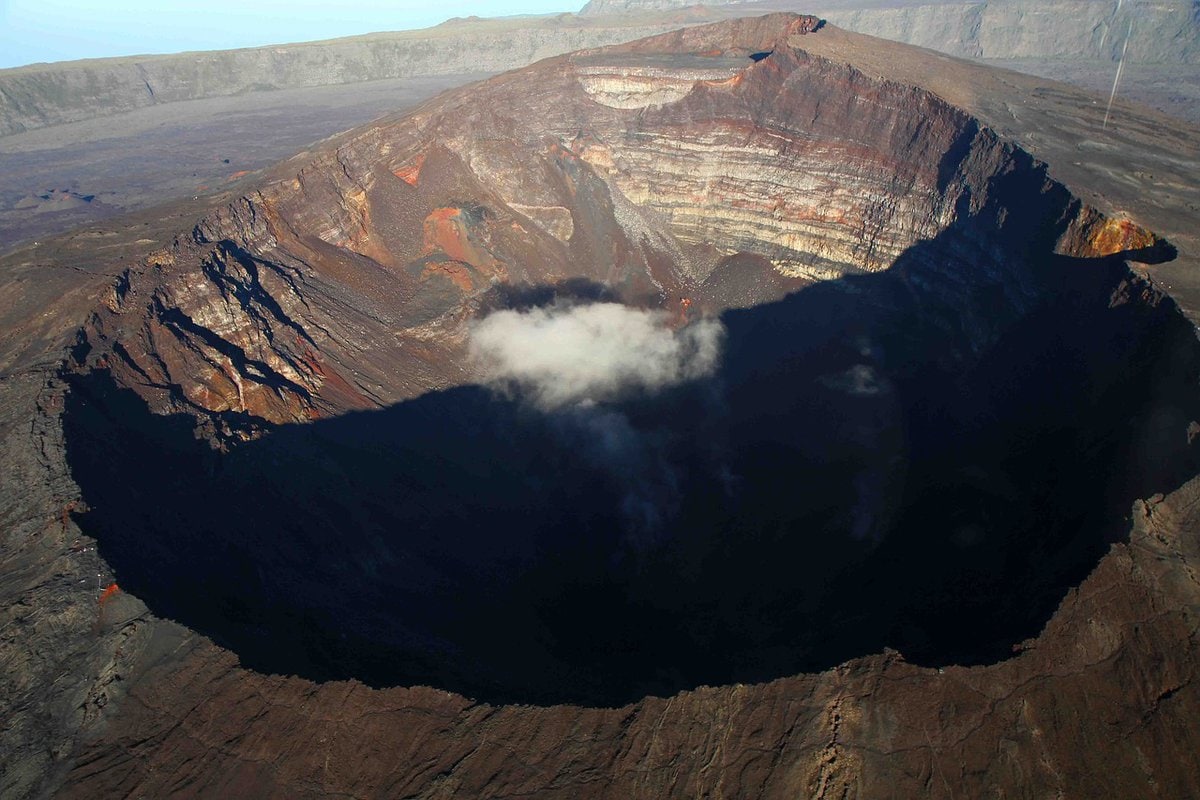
(1172, 89)
(176, 150)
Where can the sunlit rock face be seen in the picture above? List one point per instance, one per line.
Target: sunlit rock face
(729, 172)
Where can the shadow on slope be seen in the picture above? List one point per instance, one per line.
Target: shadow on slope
(924, 459)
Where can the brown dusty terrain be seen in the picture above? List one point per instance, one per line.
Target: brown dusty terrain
(678, 166)
(147, 156)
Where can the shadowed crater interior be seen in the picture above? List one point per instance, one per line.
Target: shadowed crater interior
(924, 459)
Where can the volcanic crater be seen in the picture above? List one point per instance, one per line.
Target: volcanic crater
(939, 390)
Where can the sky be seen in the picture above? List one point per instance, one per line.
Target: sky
(33, 31)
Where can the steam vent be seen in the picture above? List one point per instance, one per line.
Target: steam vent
(755, 410)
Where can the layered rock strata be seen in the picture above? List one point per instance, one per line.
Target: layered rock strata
(404, 226)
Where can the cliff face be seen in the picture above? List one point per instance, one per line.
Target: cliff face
(50, 94)
(933, 348)
(652, 176)
(1077, 30)
(1066, 29)
(1167, 33)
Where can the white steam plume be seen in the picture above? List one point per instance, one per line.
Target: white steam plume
(570, 356)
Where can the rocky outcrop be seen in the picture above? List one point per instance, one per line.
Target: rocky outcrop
(679, 168)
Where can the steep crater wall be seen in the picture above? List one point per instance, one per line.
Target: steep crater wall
(853, 478)
(924, 452)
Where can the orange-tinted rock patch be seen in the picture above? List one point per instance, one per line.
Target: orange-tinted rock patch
(410, 173)
(447, 230)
